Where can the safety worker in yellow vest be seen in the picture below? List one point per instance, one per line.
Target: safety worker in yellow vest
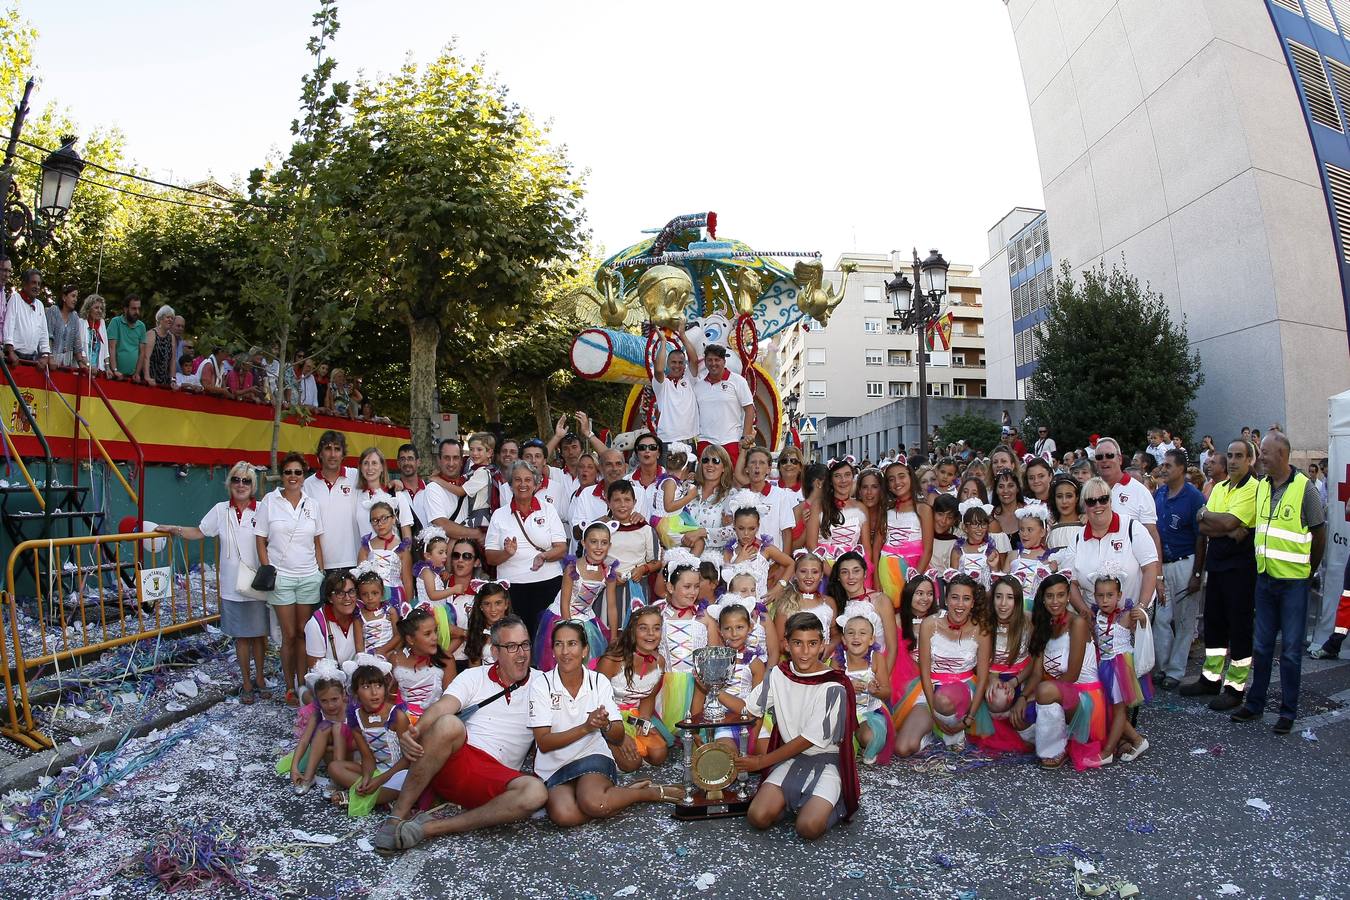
(1227, 522)
(1290, 538)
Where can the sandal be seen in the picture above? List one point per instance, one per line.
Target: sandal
(291, 699)
(386, 836)
(263, 691)
(1055, 762)
(669, 793)
(246, 696)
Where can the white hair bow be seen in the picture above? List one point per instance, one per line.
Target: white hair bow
(1036, 509)
(367, 659)
(326, 670)
(861, 609)
(974, 503)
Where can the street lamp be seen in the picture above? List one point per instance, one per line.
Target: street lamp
(790, 402)
(915, 312)
(60, 173)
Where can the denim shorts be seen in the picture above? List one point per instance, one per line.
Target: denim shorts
(292, 589)
(595, 764)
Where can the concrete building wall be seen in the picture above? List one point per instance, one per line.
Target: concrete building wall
(999, 320)
(1171, 137)
(896, 425)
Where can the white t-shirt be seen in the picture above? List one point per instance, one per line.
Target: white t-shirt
(438, 503)
(500, 729)
(290, 532)
(236, 534)
(586, 506)
(551, 705)
(541, 529)
(557, 491)
(402, 504)
(1131, 498)
(721, 408)
(1045, 446)
(338, 646)
(678, 407)
(337, 505)
(776, 510)
(1131, 548)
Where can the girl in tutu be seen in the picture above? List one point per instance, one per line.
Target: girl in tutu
(908, 544)
(684, 629)
(840, 525)
(1114, 625)
(421, 668)
(741, 590)
(954, 653)
(751, 552)
(806, 591)
(375, 722)
(634, 667)
(588, 595)
(1033, 561)
(321, 733)
(733, 628)
(975, 554)
(389, 553)
(918, 601)
(671, 494)
(860, 658)
(1070, 712)
(848, 584)
(491, 603)
(433, 591)
(379, 620)
(1009, 668)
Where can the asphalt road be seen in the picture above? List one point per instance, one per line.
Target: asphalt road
(1178, 822)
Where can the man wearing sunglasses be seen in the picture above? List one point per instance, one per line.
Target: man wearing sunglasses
(1129, 496)
(673, 377)
(726, 409)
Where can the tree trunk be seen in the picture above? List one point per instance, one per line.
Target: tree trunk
(543, 416)
(424, 336)
(486, 387)
(279, 392)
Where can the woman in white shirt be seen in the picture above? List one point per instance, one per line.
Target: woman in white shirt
(576, 723)
(334, 631)
(525, 541)
(243, 616)
(374, 487)
(94, 332)
(1109, 535)
(287, 536)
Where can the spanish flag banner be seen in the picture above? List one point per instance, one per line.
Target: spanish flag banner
(940, 332)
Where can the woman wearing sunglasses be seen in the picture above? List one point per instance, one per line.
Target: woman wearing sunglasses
(647, 473)
(1110, 537)
(287, 536)
(242, 617)
(713, 484)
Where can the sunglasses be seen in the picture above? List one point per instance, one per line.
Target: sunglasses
(789, 462)
(236, 479)
(293, 473)
(1106, 456)
(1097, 501)
(463, 555)
(710, 460)
(645, 447)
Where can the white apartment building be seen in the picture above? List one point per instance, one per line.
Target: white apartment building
(863, 361)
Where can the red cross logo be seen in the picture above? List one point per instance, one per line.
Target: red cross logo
(1343, 492)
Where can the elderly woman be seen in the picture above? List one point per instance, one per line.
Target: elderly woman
(94, 333)
(334, 631)
(287, 535)
(526, 542)
(243, 614)
(340, 400)
(63, 329)
(1112, 536)
(159, 351)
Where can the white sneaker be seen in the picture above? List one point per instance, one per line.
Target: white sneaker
(1135, 752)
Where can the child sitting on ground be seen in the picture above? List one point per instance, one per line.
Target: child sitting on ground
(375, 723)
(321, 730)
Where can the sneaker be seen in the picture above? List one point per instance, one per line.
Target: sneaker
(1229, 698)
(1170, 684)
(302, 788)
(1199, 687)
(1159, 677)
(1284, 725)
(1135, 751)
(1323, 653)
(1246, 714)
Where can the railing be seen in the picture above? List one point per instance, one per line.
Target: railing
(103, 451)
(22, 407)
(87, 626)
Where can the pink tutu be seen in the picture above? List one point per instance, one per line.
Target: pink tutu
(1005, 738)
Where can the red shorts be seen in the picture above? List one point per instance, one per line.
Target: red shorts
(470, 778)
(733, 449)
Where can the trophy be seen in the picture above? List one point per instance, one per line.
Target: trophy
(710, 768)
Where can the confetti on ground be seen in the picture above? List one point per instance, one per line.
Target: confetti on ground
(1227, 889)
(1258, 803)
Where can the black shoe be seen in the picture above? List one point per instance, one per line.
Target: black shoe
(1245, 714)
(1159, 677)
(1170, 684)
(1228, 699)
(1199, 687)
(1284, 725)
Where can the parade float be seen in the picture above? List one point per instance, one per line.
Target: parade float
(684, 279)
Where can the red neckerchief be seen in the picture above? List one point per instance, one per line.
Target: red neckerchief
(239, 513)
(1090, 535)
(1124, 478)
(637, 476)
(32, 304)
(840, 504)
(848, 764)
(414, 491)
(495, 676)
(599, 490)
(393, 537)
(726, 374)
(1061, 619)
(909, 498)
(766, 489)
(631, 526)
(648, 659)
(330, 615)
(324, 479)
(372, 492)
(534, 507)
(683, 612)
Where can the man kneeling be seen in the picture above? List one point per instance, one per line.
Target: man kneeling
(469, 747)
(813, 770)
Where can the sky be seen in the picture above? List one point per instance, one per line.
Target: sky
(867, 126)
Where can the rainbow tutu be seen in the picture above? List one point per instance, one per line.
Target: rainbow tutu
(893, 571)
(1120, 684)
(677, 693)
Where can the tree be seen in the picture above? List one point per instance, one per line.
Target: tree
(1111, 361)
(464, 206)
(978, 432)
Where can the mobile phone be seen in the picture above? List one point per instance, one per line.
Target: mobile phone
(643, 726)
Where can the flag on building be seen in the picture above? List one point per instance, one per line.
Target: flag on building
(940, 332)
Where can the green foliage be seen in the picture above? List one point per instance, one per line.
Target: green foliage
(1112, 361)
(978, 432)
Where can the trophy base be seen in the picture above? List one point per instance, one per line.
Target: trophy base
(727, 806)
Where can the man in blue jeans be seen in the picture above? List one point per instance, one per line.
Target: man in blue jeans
(1290, 538)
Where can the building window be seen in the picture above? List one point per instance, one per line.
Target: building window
(871, 293)
(815, 356)
(937, 390)
(873, 357)
(984, 390)
(897, 389)
(958, 390)
(815, 389)
(892, 329)
(958, 359)
(1316, 89)
(899, 358)
(872, 326)
(874, 388)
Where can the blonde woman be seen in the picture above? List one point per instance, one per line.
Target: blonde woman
(713, 484)
(94, 333)
(243, 618)
(373, 486)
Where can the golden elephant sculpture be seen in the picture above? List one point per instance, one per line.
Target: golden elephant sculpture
(664, 292)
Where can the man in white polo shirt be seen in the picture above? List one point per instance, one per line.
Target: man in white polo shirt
(469, 746)
(25, 329)
(673, 384)
(1128, 495)
(333, 490)
(439, 506)
(726, 409)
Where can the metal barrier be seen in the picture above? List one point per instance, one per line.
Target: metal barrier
(69, 629)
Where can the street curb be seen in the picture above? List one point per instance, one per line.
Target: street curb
(25, 773)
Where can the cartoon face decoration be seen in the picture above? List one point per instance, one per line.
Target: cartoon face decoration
(714, 329)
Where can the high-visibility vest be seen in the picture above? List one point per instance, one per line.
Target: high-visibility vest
(1283, 542)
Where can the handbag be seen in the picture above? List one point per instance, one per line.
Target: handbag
(1143, 647)
(264, 580)
(244, 579)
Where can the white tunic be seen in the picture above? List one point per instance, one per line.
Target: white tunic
(1056, 659)
(237, 544)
